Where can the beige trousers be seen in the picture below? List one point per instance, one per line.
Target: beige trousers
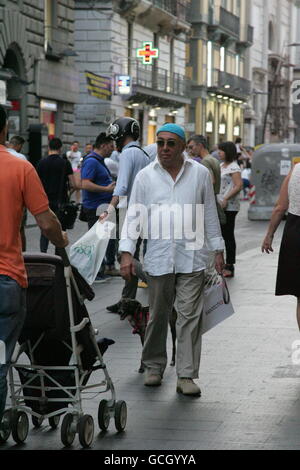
(187, 292)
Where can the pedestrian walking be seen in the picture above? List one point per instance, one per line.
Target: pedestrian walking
(56, 175)
(15, 146)
(174, 266)
(98, 187)
(20, 187)
(126, 131)
(287, 282)
(231, 185)
(74, 157)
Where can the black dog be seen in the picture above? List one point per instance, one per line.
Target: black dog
(138, 317)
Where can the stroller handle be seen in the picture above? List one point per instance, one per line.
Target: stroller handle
(64, 256)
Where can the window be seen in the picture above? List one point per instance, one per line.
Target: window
(129, 46)
(209, 63)
(222, 59)
(237, 65)
(271, 36)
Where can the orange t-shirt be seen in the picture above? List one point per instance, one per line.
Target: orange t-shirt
(20, 187)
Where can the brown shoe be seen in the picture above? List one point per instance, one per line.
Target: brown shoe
(152, 379)
(187, 386)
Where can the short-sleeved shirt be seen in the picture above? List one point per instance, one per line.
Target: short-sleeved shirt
(131, 161)
(213, 166)
(20, 187)
(74, 158)
(227, 185)
(54, 171)
(94, 169)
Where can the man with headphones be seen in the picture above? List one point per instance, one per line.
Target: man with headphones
(126, 131)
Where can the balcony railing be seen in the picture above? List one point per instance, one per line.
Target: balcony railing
(178, 8)
(230, 84)
(161, 80)
(230, 22)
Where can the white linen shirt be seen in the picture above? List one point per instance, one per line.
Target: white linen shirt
(154, 185)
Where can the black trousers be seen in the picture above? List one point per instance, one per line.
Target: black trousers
(44, 242)
(228, 235)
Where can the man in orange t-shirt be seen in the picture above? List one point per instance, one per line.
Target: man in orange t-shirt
(20, 187)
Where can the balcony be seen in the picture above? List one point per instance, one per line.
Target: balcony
(246, 38)
(230, 85)
(56, 42)
(223, 26)
(178, 8)
(169, 15)
(158, 86)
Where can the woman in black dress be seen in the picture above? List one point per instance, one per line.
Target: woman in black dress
(288, 274)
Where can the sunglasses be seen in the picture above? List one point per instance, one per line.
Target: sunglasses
(170, 143)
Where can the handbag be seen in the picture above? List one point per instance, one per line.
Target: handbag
(67, 211)
(217, 303)
(67, 214)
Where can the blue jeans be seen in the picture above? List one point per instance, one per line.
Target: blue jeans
(12, 317)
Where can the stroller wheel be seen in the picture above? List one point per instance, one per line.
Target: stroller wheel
(54, 421)
(120, 415)
(5, 426)
(86, 430)
(37, 422)
(103, 415)
(19, 426)
(68, 430)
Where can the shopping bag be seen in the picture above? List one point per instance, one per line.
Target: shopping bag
(217, 303)
(88, 252)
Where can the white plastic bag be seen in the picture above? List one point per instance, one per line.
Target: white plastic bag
(88, 252)
(217, 303)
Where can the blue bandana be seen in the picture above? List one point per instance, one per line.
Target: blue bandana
(174, 129)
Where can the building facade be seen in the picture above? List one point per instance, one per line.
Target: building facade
(114, 81)
(218, 67)
(38, 81)
(269, 116)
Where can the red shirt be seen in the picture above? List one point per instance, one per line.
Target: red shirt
(20, 187)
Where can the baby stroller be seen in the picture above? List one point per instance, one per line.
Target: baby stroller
(60, 342)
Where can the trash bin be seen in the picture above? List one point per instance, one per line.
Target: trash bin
(271, 163)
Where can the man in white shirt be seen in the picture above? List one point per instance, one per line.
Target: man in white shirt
(74, 157)
(174, 264)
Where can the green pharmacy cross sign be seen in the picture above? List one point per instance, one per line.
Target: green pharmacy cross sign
(147, 53)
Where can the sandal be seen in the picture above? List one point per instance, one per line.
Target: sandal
(228, 271)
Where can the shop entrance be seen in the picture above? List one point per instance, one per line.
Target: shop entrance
(16, 91)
